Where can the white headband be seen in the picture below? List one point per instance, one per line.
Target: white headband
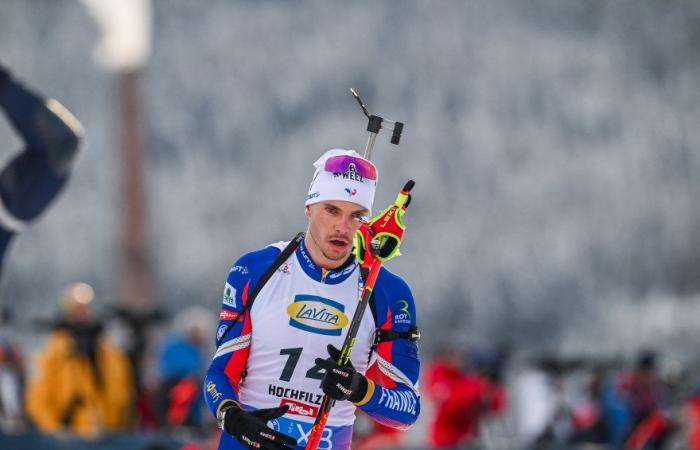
(346, 186)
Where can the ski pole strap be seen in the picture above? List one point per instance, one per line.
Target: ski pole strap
(390, 335)
(281, 258)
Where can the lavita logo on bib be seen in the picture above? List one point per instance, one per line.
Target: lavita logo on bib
(317, 315)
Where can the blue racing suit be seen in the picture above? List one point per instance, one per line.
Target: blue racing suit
(265, 354)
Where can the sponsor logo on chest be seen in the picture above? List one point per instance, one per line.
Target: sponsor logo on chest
(289, 394)
(299, 408)
(317, 315)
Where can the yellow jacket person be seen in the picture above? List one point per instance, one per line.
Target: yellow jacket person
(82, 383)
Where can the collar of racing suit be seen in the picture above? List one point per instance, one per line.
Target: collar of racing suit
(327, 276)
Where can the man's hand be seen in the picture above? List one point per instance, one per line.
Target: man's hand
(341, 382)
(251, 430)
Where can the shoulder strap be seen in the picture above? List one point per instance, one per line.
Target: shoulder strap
(281, 258)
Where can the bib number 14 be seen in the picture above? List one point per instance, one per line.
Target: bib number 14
(293, 355)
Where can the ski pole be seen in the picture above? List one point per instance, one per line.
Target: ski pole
(370, 263)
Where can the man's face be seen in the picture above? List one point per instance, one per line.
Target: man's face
(332, 226)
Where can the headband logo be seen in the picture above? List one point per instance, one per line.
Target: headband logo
(351, 174)
(351, 192)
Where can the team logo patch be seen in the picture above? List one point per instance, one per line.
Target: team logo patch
(221, 331)
(230, 296)
(299, 408)
(402, 315)
(317, 315)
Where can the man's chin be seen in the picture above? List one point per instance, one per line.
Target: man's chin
(337, 255)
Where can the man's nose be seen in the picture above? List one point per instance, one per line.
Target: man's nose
(343, 225)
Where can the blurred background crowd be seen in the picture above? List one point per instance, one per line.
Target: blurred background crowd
(100, 378)
(552, 244)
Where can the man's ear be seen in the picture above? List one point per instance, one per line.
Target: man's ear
(307, 211)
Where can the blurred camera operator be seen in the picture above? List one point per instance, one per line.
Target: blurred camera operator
(82, 383)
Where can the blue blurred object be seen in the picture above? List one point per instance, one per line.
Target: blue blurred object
(180, 358)
(617, 413)
(179, 401)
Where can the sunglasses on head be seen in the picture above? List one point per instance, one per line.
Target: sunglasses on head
(346, 163)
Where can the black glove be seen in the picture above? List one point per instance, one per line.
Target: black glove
(341, 382)
(251, 430)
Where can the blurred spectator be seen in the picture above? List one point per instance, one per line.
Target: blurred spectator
(588, 420)
(83, 383)
(132, 329)
(11, 379)
(543, 411)
(378, 437)
(462, 400)
(649, 420)
(614, 401)
(182, 364)
(692, 411)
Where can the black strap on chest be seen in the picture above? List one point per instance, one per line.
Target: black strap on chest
(276, 264)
